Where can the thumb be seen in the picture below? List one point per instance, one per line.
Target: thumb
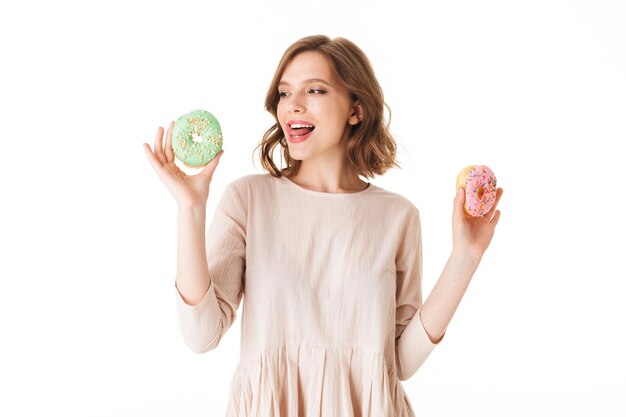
(211, 166)
(459, 201)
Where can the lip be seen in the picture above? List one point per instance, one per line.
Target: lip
(291, 132)
(300, 139)
(302, 122)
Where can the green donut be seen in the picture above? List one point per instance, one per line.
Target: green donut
(196, 138)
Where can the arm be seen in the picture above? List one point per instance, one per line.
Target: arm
(417, 335)
(210, 271)
(192, 273)
(413, 345)
(471, 237)
(446, 295)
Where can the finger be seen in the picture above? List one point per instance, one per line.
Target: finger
(156, 164)
(158, 145)
(209, 169)
(169, 153)
(496, 217)
(459, 201)
(499, 192)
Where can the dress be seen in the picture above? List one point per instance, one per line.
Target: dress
(331, 289)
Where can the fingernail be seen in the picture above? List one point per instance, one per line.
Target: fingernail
(458, 192)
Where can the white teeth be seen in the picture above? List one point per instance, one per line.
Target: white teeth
(298, 126)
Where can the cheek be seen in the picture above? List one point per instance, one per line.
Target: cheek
(279, 112)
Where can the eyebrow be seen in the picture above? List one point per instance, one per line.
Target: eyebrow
(310, 80)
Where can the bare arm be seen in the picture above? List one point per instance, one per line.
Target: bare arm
(471, 237)
(444, 299)
(206, 307)
(192, 272)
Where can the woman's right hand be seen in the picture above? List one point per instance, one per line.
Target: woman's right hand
(186, 189)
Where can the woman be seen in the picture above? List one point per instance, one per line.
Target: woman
(329, 266)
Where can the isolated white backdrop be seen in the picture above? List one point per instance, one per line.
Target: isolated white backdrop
(533, 89)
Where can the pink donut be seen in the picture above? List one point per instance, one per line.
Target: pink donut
(480, 189)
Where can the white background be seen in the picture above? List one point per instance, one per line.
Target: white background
(534, 89)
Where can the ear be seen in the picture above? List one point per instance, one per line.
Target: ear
(357, 114)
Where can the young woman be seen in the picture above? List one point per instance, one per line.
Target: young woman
(329, 266)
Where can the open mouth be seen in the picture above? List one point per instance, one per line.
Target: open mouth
(298, 130)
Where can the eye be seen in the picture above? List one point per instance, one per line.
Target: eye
(282, 94)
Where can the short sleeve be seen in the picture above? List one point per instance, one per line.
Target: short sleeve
(204, 324)
(413, 345)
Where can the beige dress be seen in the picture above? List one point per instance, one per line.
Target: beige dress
(331, 287)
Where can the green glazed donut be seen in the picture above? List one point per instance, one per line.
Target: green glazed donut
(196, 138)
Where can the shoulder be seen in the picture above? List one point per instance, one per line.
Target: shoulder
(249, 182)
(395, 202)
(253, 189)
(238, 193)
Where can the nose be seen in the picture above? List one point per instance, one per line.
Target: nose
(294, 104)
(294, 107)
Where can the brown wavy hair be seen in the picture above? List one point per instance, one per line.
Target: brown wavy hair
(370, 148)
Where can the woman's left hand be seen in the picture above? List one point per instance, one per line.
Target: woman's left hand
(472, 235)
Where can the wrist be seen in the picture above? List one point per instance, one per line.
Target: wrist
(466, 257)
(193, 207)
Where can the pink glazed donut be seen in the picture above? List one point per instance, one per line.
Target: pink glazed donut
(480, 189)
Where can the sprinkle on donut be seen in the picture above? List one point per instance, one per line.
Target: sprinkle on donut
(197, 138)
(480, 189)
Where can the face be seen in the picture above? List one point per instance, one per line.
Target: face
(309, 96)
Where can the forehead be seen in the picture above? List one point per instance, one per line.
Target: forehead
(307, 65)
